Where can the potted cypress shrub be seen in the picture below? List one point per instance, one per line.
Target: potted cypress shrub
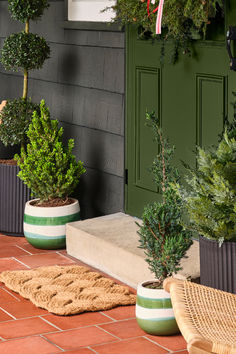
(21, 51)
(210, 200)
(164, 241)
(50, 170)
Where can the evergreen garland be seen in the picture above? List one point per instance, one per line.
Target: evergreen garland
(183, 20)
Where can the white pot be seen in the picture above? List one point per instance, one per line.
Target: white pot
(45, 227)
(154, 312)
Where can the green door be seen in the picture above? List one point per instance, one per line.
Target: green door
(192, 99)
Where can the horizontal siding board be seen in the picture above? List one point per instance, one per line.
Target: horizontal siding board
(85, 107)
(99, 150)
(101, 68)
(95, 38)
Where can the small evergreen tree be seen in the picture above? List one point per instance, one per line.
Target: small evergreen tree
(22, 51)
(47, 167)
(162, 236)
(210, 198)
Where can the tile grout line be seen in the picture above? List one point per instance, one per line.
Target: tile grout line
(92, 350)
(51, 324)
(102, 313)
(17, 260)
(49, 341)
(29, 253)
(8, 292)
(159, 345)
(61, 254)
(126, 319)
(107, 332)
(13, 317)
(123, 340)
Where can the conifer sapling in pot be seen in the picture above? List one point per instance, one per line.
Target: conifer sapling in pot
(163, 239)
(51, 172)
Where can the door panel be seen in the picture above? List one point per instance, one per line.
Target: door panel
(147, 82)
(190, 98)
(210, 107)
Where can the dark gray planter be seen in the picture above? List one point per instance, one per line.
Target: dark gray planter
(218, 265)
(13, 196)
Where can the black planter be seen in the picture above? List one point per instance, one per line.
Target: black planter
(13, 196)
(218, 265)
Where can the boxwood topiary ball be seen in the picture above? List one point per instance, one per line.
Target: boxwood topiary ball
(15, 119)
(24, 50)
(23, 10)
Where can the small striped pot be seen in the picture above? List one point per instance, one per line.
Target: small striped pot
(154, 311)
(45, 228)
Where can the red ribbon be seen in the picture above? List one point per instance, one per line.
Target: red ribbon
(148, 8)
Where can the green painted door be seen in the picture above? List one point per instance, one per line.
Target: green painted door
(192, 99)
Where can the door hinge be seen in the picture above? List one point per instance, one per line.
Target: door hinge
(126, 176)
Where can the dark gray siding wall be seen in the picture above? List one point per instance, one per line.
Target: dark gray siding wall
(83, 84)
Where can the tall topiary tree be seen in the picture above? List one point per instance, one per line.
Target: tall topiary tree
(22, 51)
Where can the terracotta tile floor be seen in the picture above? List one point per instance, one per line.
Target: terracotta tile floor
(26, 329)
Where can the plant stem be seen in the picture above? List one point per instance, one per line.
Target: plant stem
(163, 183)
(25, 85)
(27, 26)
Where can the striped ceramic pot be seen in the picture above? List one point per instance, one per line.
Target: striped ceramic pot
(45, 227)
(154, 311)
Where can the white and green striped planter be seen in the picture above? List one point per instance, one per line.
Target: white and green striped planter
(45, 228)
(154, 312)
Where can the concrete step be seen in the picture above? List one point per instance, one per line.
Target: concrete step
(110, 243)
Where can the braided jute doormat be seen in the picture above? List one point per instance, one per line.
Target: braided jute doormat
(67, 290)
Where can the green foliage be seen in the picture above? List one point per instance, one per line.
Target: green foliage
(23, 10)
(47, 166)
(15, 119)
(231, 126)
(182, 19)
(210, 198)
(162, 235)
(24, 50)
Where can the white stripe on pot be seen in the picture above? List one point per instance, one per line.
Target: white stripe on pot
(152, 293)
(45, 229)
(51, 211)
(145, 314)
